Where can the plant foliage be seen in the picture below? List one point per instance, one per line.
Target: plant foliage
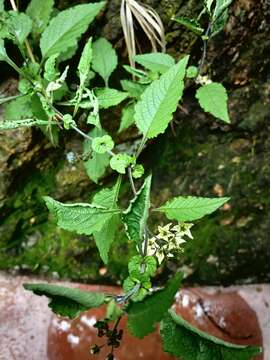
(147, 98)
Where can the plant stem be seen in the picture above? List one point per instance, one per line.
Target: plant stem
(132, 185)
(30, 52)
(205, 44)
(141, 146)
(27, 45)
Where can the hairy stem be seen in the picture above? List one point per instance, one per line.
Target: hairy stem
(132, 185)
(205, 44)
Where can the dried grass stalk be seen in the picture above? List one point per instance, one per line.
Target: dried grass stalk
(149, 21)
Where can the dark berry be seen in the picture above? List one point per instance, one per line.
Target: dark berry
(95, 349)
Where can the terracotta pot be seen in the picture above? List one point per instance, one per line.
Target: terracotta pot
(224, 315)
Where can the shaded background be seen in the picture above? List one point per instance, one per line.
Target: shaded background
(197, 156)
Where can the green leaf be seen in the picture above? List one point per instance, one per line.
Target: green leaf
(208, 4)
(2, 7)
(143, 316)
(85, 61)
(129, 285)
(141, 268)
(67, 301)
(107, 197)
(109, 97)
(221, 6)
(81, 218)
(15, 124)
(213, 99)
(113, 311)
(19, 25)
(154, 111)
(191, 208)
(137, 171)
(143, 76)
(102, 144)
(127, 118)
(156, 62)
(40, 13)
(120, 162)
(65, 28)
(104, 59)
(135, 217)
(50, 71)
(134, 89)
(219, 24)
(190, 24)
(192, 72)
(105, 237)
(96, 166)
(187, 342)
(68, 121)
(18, 109)
(3, 53)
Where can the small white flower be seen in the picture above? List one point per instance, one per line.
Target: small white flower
(168, 240)
(160, 256)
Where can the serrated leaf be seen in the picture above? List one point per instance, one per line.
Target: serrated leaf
(107, 197)
(190, 24)
(65, 28)
(191, 208)
(85, 61)
(102, 144)
(105, 237)
(154, 110)
(50, 71)
(109, 97)
(141, 268)
(67, 301)
(135, 217)
(96, 166)
(104, 59)
(187, 342)
(134, 89)
(127, 118)
(221, 6)
(156, 62)
(19, 25)
(213, 99)
(137, 171)
(219, 24)
(143, 316)
(19, 108)
(120, 162)
(81, 218)
(39, 12)
(129, 284)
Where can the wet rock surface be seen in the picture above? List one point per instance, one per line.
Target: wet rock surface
(28, 329)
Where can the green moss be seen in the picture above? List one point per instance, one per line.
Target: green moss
(231, 245)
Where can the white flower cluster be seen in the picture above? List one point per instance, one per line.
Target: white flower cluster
(169, 239)
(203, 80)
